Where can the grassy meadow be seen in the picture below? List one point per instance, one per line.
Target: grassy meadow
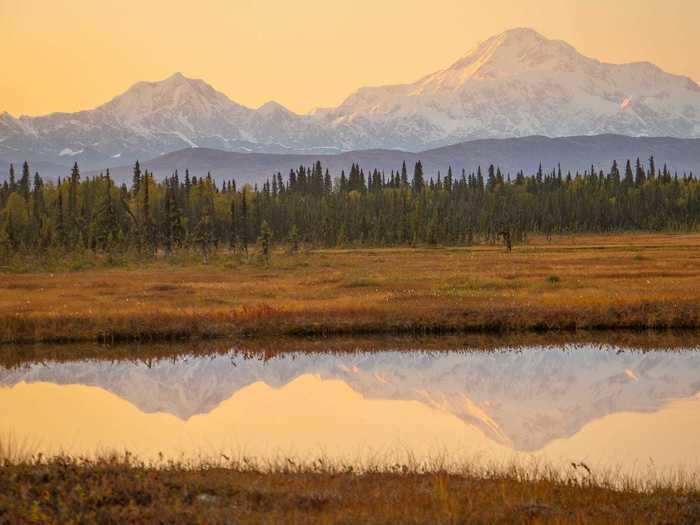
(635, 281)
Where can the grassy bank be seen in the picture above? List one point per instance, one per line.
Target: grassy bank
(635, 282)
(117, 491)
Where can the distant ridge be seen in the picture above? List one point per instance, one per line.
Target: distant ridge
(511, 155)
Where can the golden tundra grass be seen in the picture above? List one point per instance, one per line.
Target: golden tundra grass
(635, 281)
(122, 490)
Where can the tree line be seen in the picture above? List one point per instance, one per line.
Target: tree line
(309, 205)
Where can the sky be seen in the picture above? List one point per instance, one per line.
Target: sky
(68, 55)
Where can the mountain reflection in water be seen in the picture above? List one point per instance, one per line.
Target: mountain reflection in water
(607, 407)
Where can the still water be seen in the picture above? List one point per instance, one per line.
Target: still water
(612, 408)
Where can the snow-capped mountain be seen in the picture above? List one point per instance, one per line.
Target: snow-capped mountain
(153, 118)
(520, 399)
(515, 84)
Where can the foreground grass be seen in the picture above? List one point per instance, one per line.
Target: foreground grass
(640, 281)
(65, 490)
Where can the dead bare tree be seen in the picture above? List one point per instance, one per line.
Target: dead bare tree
(507, 240)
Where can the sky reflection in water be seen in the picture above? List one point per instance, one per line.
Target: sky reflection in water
(609, 408)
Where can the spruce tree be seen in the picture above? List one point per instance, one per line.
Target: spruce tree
(24, 184)
(265, 242)
(38, 205)
(294, 239)
(615, 174)
(60, 220)
(11, 178)
(73, 220)
(640, 176)
(418, 180)
(233, 226)
(149, 240)
(629, 175)
(243, 227)
(106, 229)
(203, 234)
(136, 179)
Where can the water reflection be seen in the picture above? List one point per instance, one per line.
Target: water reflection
(599, 405)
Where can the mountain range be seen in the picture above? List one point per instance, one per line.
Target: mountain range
(515, 84)
(521, 399)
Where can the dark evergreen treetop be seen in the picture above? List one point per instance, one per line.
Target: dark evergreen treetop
(362, 207)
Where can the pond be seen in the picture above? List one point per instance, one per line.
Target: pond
(612, 408)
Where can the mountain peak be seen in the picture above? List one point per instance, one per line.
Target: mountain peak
(514, 51)
(178, 79)
(521, 33)
(522, 37)
(175, 80)
(177, 76)
(272, 107)
(178, 98)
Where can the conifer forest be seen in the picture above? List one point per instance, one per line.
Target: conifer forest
(310, 205)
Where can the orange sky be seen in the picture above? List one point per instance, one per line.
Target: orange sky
(66, 55)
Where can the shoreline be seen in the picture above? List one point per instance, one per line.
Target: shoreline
(269, 348)
(69, 330)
